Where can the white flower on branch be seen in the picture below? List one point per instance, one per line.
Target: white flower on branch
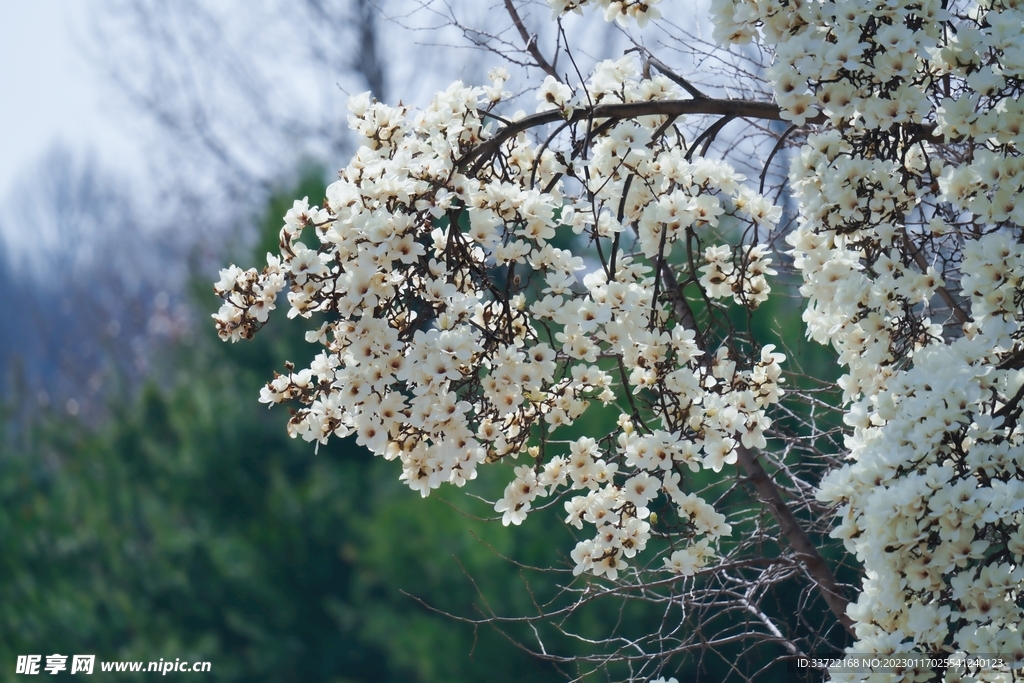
(487, 279)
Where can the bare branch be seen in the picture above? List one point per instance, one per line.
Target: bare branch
(673, 76)
(735, 108)
(947, 298)
(808, 553)
(530, 42)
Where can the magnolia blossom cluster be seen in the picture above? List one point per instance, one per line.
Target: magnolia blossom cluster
(454, 330)
(476, 289)
(910, 244)
(621, 11)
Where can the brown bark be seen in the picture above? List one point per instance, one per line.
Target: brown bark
(628, 110)
(798, 539)
(769, 494)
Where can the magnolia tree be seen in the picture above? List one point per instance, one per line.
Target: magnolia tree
(479, 278)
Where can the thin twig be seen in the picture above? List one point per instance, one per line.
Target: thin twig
(959, 313)
(627, 110)
(790, 527)
(775, 150)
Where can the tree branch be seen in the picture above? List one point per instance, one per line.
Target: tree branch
(768, 492)
(530, 41)
(673, 76)
(798, 539)
(915, 251)
(628, 110)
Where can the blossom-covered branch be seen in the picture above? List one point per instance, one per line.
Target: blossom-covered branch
(482, 278)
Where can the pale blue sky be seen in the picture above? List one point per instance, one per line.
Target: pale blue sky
(50, 91)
